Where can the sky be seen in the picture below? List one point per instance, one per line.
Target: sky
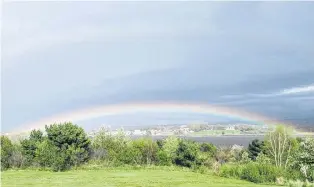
(59, 57)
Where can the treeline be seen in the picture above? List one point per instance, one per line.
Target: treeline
(280, 158)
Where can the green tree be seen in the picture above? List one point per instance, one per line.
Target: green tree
(167, 150)
(29, 145)
(304, 158)
(72, 143)
(6, 152)
(147, 150)
(116, 149)
(17, 159)
(46, 153)
(255, 148)
(279, 145)
(223, 155)
(209, 148)
(187, 153)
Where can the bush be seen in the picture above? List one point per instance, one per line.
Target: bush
(61, 162)
(115, 149)
(17, 160)
(146, 151)
(296, 183)
(163, 158)
(187, 153)
(253, 172)
(208, 148)
(231, 171)
(261, 173)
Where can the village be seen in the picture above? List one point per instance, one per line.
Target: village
(203, 129)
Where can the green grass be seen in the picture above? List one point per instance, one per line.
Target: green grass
(117, 177)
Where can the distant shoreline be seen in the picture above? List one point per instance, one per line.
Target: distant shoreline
(218, 140)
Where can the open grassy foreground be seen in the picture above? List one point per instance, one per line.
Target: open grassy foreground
(116, 177)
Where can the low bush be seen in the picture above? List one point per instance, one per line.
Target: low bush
(231, 171)
(299, 183)
(253, 172)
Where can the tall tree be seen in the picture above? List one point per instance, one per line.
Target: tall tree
(71, 140)
(279, 145)
(29, 145)
(255, 148)
(6, 151)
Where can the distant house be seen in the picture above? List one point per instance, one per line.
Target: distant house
(230, 128)
(139, 132)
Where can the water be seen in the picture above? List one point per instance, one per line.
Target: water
(218, 140)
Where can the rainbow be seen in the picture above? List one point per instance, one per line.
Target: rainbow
(106, 110)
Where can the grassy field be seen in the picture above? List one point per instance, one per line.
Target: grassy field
(116, 177)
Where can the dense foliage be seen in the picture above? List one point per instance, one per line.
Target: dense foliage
(6, 152)
(255, 148)
(278, 158)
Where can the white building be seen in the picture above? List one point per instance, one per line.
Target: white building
(139, 132)
(230, 128)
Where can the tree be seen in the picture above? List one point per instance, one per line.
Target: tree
(115, 149)
(46, 153)
(71, 141)
(36, 135)
(279, 145)
(304, 158)
(208, 148)
(17, 159)
(255, 148)
(6, 152)
(29, 145)
(170, 146)
(223, 155)
(187, 153)
(146, 150)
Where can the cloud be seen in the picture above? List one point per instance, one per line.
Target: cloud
(23, 35)
(63, 56)
(298, 90)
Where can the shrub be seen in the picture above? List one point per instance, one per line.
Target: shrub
(280, 181)
(253, 172)
(17, 160)
(146, 150)
(263, 159)
(293, 174)
(261, 173)
(61, 162)
(115, 149)
(296, 183)
(231, 171)
(208, 148)
(163, 158)
(187, 153)
(223, 155)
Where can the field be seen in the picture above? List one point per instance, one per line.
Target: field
(117, 177)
